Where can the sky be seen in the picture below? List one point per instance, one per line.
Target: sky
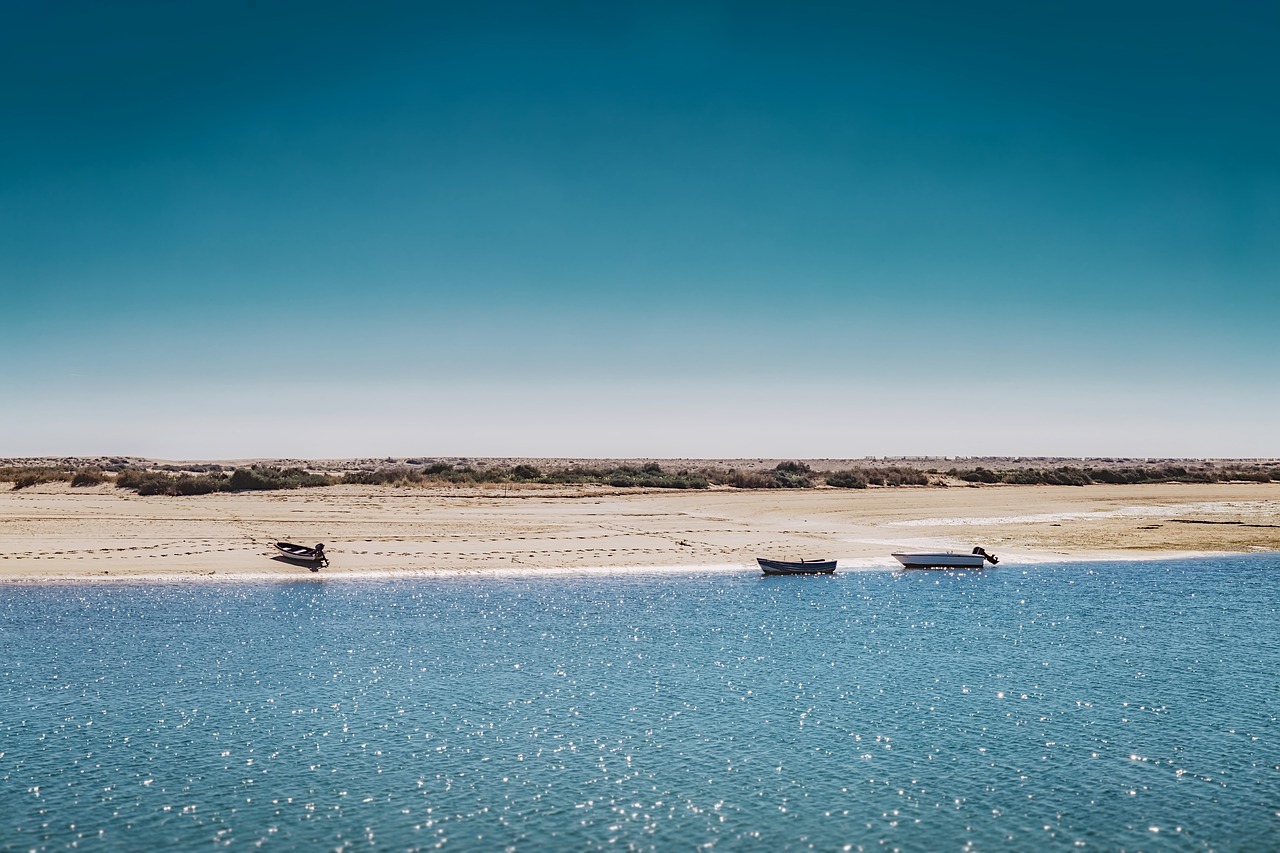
(265, 228)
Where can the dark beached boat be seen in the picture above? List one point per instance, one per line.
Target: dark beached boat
(302, 554)
(803, 567)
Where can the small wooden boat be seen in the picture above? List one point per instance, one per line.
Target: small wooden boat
(803, 567)
(974, 560)
(302, 554)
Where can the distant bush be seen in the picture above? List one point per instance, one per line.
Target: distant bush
(1064, 476)
(653, 477)
(1119, 476)
(88, 477)
(786, 475)
(572, 476)
(376, 477)
(1130, 475)
(1253, 476)
(1162, 474)
(162, 483)
(266, 478)
(188, 484)
(894, 476)
(25, 476)
(851, 479)
(976, 475)
(792, 475)
(860, 478)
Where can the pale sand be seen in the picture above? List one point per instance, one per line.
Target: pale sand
(54, 532)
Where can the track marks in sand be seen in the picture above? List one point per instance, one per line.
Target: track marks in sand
(155, 550)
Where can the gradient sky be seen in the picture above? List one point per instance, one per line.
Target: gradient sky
(279, 228)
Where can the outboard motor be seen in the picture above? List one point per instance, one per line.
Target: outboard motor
(991, 557)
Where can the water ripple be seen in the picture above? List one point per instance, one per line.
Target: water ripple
(1116, 706)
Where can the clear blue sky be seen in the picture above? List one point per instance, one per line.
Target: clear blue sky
(678, 229)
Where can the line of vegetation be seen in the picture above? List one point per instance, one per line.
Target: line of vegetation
(784, 475)
(256, 478)
(209, 478)
(25, 476)
(861, 478)
(651, 476)
(1074, 476)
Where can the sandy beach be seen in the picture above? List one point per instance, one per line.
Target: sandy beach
(54, 532)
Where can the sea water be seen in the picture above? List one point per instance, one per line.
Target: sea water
(1106, 706)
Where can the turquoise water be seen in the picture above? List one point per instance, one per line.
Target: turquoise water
(1108, 706)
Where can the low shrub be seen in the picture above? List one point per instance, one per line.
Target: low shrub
(1063, 476)
(1251, 476)
(860, 478)
(850, 479)
(162, 483)
(255, 478)
(88, 477)
(524, 473)
(25, 476)
(895, 476)
(791, 476)
(259, 478)
(976, 475)
(651, 476)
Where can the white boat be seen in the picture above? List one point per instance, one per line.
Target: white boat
(947, 560)
(303, 554)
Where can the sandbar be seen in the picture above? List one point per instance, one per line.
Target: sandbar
(55, 532)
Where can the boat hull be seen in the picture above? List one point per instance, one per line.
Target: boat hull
(300, 553)
(804, 567)
(940, 561)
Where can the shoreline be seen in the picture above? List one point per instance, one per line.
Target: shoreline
(1016, 562)
(54, 533)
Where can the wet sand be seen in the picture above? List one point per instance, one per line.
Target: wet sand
(56, 532)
